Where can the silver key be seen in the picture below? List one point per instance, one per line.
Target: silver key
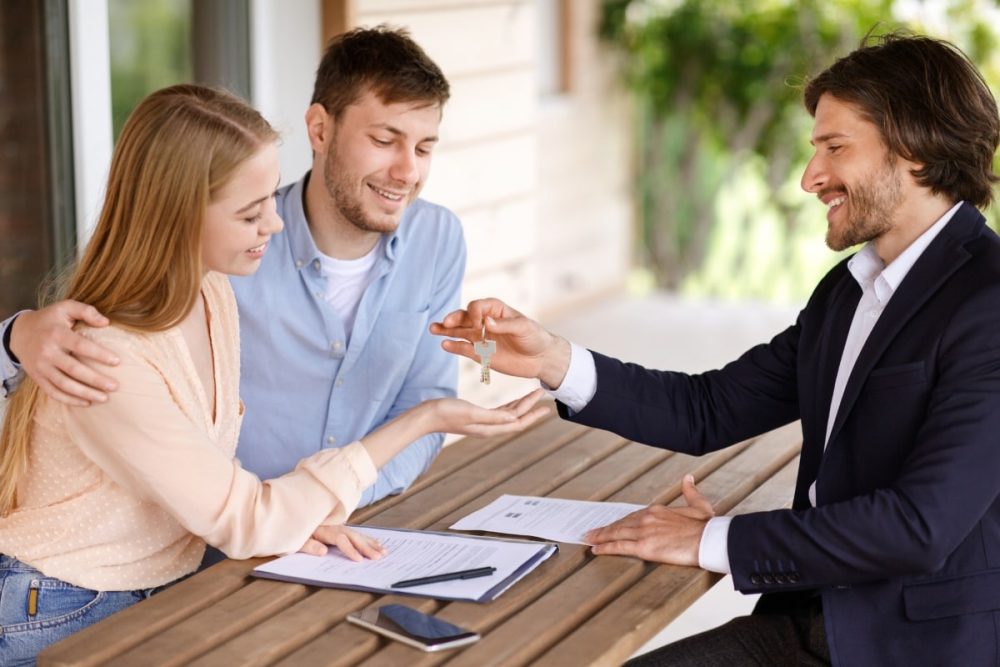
(485, 349)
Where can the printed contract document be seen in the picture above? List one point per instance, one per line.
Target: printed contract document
(414, 553)
(554, 519)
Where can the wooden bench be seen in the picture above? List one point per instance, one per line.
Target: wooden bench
(575, 609)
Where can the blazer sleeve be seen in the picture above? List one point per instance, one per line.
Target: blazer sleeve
(696, 414)
(143, 441)
(947, 482)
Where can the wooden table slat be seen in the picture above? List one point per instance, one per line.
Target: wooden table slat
(347, 644)
(134, 625)
(613, 473)
(656, 600)
(573, 609)
(288, 630)
(177, 645)
(474, 478)
(614, 573)
(457, 455)
(558, 610)
(550, 471)
(662, 482)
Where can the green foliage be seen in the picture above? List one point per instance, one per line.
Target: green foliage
(722, 135)
(150, 49)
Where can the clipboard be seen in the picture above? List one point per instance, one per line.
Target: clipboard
(413, 553)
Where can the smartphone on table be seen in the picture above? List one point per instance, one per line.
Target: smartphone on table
(413, 627)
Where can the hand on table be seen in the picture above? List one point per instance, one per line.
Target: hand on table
(524, 348)
(658, 533)
(356, 546)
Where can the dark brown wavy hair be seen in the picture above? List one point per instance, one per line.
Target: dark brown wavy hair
(931, 105)
(382, 59)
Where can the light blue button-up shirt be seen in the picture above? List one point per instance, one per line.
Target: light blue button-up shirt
(10, 373)
(306, 388)
(306, 384)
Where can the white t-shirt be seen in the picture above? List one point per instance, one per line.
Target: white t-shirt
(346, 282)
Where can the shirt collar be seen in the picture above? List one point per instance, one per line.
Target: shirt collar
(868, 269)
(300, 239)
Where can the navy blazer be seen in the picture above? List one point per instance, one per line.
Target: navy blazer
(904, 543)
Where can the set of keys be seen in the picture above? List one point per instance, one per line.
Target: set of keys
(484, 349)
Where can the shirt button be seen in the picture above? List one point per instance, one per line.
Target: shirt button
(330, 440)
(298, 263)
(316, 264)
(336, 345)
(339, 382)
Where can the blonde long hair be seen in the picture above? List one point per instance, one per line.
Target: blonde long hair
(142, 267)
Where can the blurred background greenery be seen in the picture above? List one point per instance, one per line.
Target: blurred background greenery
(722, 136)
(150, 48)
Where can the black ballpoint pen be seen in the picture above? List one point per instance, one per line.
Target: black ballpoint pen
(445, 576)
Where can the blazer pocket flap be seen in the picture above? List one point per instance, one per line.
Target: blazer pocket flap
(955, 596)
(897, 376)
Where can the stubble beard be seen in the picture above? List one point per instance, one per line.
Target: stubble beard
(347, 202)
(872, 205)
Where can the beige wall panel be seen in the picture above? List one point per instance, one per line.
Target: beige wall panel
(582, 144)
(489, 104)
(514, 284)
(585, 209)
(573, 277)
(474, 38)
(589, 220)
(500, 236)
(474, 175)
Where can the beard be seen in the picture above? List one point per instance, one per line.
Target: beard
(347, 201)
(871, 206)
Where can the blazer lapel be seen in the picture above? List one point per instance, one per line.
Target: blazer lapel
(836, 323)
(938, 262)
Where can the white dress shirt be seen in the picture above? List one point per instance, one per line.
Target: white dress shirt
(878, 283)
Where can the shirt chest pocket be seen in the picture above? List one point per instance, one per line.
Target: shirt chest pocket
(391, 350)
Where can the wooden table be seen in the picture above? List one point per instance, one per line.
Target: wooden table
(575, 609)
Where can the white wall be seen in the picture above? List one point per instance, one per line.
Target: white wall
(286, 44)
(90, 85)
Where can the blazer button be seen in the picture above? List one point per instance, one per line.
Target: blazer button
(768, 579)
(780, 579)
(793, 577)
(755, 579)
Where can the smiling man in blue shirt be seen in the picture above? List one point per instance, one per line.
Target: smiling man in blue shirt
(334, 324)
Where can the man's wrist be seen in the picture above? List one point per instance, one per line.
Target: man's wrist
(556, 363)
(6, 340)
(713, 549)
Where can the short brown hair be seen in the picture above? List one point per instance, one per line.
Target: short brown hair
(930, 104)
(382, 59)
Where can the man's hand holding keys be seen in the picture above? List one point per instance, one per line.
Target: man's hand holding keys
(523, 347)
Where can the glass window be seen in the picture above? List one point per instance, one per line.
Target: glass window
(156, 43)
(150, 44)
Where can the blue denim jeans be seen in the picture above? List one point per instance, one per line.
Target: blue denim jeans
(36, 610)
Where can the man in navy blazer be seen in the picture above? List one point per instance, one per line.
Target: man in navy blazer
(890, 554)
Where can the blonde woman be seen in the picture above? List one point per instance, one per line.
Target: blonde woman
(102, 505)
